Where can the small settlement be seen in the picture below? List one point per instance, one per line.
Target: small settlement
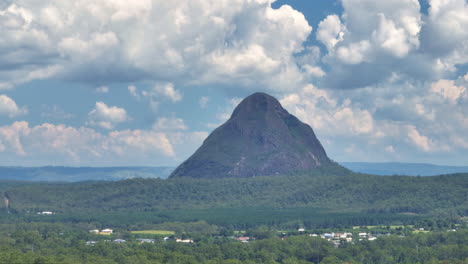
(336, 238)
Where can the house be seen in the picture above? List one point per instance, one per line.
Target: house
(107, 231)
(184, 240)
(46, 213)
(243, 239)
(372, 238)
(119, 241)
(90, 243)
(145, 240)
(362, 234)
(301, 230)
(94, 231)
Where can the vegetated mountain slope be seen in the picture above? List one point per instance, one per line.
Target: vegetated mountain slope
(394, 194)
(409, 169)
(260, 138)
(75, 174)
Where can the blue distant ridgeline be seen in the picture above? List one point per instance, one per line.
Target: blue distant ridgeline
(76, 174)
(409, 169)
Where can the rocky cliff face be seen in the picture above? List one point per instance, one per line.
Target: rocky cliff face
(260, 138)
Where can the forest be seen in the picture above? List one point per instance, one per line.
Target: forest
(211, 211)
(356, 193)
(58, 243)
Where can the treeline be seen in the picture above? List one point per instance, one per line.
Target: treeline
(50, 245)
(234, 218)
(444, 195)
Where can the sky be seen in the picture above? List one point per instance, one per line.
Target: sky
(143, 83)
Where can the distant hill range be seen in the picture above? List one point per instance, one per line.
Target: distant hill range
(261, 138)
(76, 174)
(408, 169)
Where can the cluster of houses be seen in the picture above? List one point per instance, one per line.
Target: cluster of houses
(106, 231)
(109, 231)
(120, 241)
(346, 237)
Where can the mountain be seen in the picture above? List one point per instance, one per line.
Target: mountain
(260, 138)
(409, 169)
(75, 174)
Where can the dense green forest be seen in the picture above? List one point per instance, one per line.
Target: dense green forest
(281, 201)
(58, 243)
(261, 206)
(353, 192)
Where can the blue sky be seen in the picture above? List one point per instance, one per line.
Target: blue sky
(113, 83)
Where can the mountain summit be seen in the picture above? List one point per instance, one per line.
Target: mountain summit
(260, 138)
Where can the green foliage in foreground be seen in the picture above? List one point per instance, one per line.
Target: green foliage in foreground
(50, 244)
(354, 192)
(237, 218)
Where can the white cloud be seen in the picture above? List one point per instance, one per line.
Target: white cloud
(331, 31)
(8, 107)
(183, 41)
(102, 89)
(447, 28)
(390, 149)
(169, 124)
(419, 140)
(409, 119)
(81, 145)
(49, 144)
(356, 120)
(133, 90)
(203, 102)
(107, 117)
(392, 38)
(448, 90)
(355, 53)
(167, 90)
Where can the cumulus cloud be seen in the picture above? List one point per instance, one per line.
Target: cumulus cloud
(331, 31)
(448, 90)
(102, 89)
(133, 90)
(373, 41)
(187, 41)
(447, 31)
(78, 143)
(169, 124)
(418, 139)
(107, 116)
(45, 143)
(166, 90)
(8, 107)
(399, 122)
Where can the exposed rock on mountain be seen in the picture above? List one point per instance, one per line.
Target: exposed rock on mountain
(260, 138)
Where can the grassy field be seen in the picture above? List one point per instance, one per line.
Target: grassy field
(154, 232)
